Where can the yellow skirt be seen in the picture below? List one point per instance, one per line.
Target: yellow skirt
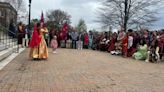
(39, 52)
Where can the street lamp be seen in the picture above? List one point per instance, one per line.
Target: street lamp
(29, 23)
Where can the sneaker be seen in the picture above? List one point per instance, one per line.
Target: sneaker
(116, 53)
(113, 52)
(147, 61)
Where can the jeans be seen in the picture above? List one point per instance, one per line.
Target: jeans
(74, 44)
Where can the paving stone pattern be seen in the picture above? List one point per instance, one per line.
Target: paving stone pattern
(81, 71)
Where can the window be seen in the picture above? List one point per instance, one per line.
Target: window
(2, 13)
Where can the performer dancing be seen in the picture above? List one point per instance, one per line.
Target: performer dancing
(37, 44)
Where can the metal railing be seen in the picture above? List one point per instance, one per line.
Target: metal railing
(8, 39)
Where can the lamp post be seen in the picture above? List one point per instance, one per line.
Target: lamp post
(29, 20)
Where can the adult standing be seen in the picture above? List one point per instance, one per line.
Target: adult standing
(161, 43)
(12, 30)
(90, 40)
(146, 37)
(20, 34)
(120, 39)
(26, 37)
(74, 36)
(112, 42)
(43, 44)
(80, 41)
(63, 35)
(133, 48)
(46, 35)
(63, 38)
(86, 40)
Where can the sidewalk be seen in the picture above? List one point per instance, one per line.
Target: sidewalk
(81, 71)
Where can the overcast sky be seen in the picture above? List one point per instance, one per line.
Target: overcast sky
(85, 9)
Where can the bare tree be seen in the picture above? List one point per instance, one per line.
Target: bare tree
(129, 13)
(17, 4)
(56, 18)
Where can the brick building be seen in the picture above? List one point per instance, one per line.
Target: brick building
(7, 14)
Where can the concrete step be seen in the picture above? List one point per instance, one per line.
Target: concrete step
(2, 47)
(6, 52)
(8, 59)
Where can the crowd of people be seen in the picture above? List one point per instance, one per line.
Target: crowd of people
(141, 45)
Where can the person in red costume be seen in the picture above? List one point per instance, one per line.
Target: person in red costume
(86, 40)
(35, 41)
(38, 44)
(112, 42)
(63, 35)
(125, 45)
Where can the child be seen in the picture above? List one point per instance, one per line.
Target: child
(54, 44)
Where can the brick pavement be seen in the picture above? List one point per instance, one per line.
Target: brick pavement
(81, 71)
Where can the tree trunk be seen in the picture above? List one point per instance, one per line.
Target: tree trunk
(126, 15)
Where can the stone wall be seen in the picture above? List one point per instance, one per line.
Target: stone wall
(7, 14)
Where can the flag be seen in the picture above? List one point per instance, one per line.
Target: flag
(65, 27)
(42, 18)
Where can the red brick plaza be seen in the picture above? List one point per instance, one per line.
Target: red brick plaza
(81, 71)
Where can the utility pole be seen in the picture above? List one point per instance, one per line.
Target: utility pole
(29, 21)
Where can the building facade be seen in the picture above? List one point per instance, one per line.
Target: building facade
(7, 14)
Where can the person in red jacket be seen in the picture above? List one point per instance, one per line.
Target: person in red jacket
(112, 42)
(125, 45)
(86, 40)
